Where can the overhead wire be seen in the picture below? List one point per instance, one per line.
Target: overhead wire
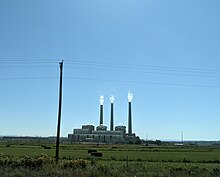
(167, 68)
(145, 72)
(108, 66)
(26, 78)
(21, 64)
(142, 82)
(105, 66)
(25, 61)
(115, 65)
(26, 66)
(176, 71)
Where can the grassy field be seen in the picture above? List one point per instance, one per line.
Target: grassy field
(117, 160)
(119, 153)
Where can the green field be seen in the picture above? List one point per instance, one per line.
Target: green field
(117, 160)
(120, 153)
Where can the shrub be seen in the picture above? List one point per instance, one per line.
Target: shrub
(79, 163)
(96, 154)
(92, 150)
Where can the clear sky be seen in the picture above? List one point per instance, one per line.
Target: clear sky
(167, 53)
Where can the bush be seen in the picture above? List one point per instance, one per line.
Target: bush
(96, 154)
(27, 162)
(79, 163)
(92, 150)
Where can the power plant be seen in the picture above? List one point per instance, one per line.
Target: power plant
(101, 135)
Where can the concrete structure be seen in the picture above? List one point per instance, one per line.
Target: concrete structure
(101, 135)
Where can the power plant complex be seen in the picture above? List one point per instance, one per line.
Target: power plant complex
(101, 135)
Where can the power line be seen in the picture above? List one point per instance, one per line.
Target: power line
(170, 68)
(146, 72)
(143, 69)
(25, 61)
(109, 66)
(143, 82)
(26, 66)
(26, 78)
(113, 67)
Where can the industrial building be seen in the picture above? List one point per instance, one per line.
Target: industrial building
(101, 135)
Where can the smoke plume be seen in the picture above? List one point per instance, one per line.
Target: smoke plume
(101, 99)
(112, 98)
(130, 96)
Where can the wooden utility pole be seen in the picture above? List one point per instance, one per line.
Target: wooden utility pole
(59, 111)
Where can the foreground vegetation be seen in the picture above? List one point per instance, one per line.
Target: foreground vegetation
(34, 160)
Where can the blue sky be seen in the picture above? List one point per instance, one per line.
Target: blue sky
(165, 52)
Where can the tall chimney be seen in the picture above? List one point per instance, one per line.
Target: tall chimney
(129, 119)
(101, 99)
(112, 113)
(111, 121)
(101, 114)
(130, 97)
